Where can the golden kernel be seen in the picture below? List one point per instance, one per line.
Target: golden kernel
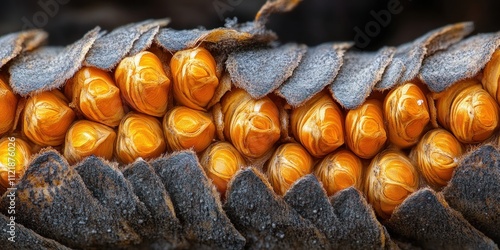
(15, 154)
(252, 125)
(390, 178)
(139, 135)
(468, 111)
(436, 156)
(194, 77)
(318, 125)
(95, 94)
(187, 128)
(85, 138)
(289, 163)
(47, 117)
(365, 129)
(143, 83)
(221, 161)
(339, 170)
(491, 76)
(406, 113)
(8, 106)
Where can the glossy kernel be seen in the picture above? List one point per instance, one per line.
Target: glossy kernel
(85, 138)
(339, 170)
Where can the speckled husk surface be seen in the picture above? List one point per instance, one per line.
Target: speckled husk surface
(169, 203)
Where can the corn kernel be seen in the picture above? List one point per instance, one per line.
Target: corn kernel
(85, 138)
(318, 125)
(491, 76)
(289, 163)
(252, 125)
(15, 154)
(186, 128)
(406, 113)
(436, 156)
(221, 161)
(390, 178)
(94, 93)
(8, 105)
(47, 117)
(339, 170)
(194, 77)
(143, 83)
(468, 111)
(139, 135)
(365, 129)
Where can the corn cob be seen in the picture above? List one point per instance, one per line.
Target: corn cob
(252, 124)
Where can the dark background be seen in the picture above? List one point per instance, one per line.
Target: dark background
(312, 22)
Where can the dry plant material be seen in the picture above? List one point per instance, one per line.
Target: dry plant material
(194, 77)
(365, 129)
(143, 83)
(289, 163)
(468, 111)
(340, 170)
(85, 138)
(436, 156)
(318, 125)
(187, 128)
(47, 117)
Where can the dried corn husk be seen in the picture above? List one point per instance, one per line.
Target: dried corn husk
(8, 105)
(340, 170)
(251, 125)
(139, 135)
(289, 163)
(187, 128)
(318, 125)
(436, 156)
(468, 111)
(407, 114)
(85, 138)
(47, 117)
(389, 179)
(143, 83)
(365, 129)
(94, 93)
(15, 154)
(221, 161)
(194, 77)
